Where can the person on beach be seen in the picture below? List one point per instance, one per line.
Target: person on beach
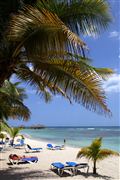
(64, 142)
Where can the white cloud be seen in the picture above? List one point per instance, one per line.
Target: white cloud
(114, 34)
(112, 84)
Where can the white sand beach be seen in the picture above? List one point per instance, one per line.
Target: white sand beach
(107, 169)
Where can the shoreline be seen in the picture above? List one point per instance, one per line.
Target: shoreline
(45, 142)
(81, 138)
(107, 169)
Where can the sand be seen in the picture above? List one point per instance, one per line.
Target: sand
(107, 169)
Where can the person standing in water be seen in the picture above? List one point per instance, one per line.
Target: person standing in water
(64, 142)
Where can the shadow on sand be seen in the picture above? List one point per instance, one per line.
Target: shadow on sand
(20, 173)
(86, 175)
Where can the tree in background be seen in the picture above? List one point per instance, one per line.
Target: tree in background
(11, 103)
(2, 136)
(95, 153)
(14, 132)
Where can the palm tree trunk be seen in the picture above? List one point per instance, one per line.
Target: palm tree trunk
(94, 167)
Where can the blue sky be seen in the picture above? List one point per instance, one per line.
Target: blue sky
(104, 51)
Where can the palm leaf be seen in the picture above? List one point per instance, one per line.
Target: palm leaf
(14, 131)
(44, 30)
(104, 72)
(79, 83)
(3, 125)
(86, 78)
(11, 102)
(19, 112)
(87, 16)
(39, 83)
(103, 153)
(83, 152)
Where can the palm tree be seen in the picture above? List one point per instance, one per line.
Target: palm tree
(57, 64)
(95, 153)
(3, 125)
(14, 132)
(2, 136)
(11, 103)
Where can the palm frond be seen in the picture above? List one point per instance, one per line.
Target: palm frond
(14, 131)
(104, 72)
(20, 112)
(46, 96)
(43, 30)
(11, 102)
(103, 153)
(3, 125)
(96, 143)
(87, 16)
(84, 152)
(12, 90)
(86, 78)
(40, 83)
(79, 83)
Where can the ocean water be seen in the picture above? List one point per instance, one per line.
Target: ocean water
(77, 136)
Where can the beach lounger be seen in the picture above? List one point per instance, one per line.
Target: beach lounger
(2, 143)
(29, 149)
(20, 144)
(60, 167)
(15, 159)
(78, 166)
(51, 147)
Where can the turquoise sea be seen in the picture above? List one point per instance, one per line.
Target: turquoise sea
(77, 136)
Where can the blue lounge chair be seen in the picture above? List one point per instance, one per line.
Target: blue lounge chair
(78, 166)
(20, 144)
(15, 159)
(60, 167)
(51, 147)
(29, 149)
(2, 143)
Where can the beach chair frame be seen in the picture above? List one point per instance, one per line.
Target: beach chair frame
(79, 166)
(60, 171)
(28, 149)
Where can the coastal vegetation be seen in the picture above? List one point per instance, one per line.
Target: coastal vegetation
(7, 131)
(95, 153)
(2, 136)
(34, 126)
(11, 102)
(14, 132)
(12, 106)
(40, 43)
